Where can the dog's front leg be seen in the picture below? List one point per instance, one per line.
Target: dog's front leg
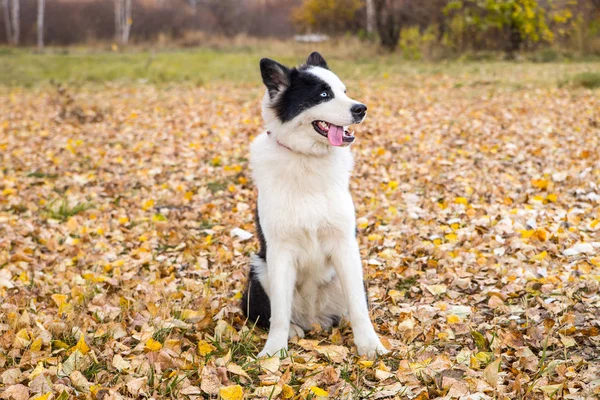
(346, 261)
(282, 278)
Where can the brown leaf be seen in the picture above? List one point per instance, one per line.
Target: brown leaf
(490, 373)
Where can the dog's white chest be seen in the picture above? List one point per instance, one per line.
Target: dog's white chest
(304, 199)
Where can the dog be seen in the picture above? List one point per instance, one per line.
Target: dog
(308, 269)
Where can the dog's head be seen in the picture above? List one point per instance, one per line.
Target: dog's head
(307, 108)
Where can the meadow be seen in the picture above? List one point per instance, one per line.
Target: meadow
(126, 202)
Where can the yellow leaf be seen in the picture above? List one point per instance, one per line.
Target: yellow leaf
(123, 220)
(525, 234)
(317, 391)
(59, 344)
(82, 345)
(37, 370)
(153, 345)
(540, 257)
(23, 334)
(461, 200)
(541, 234)
(191, 314)
(287, 392)
(36, 345)
(204, 348)
(234, 392)
(453, 319)
(59, 299)
(451, 237)
(188, 196)
(540, 183)
(43, 397)
(148, 204)
(374, 237)
(158, 218)
(362, 223)
(365, 363)
(552, 198)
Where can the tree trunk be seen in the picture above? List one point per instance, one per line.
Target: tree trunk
(513, 44)
(388, 23)
(16, 26)
(127, 21)
(40, 24)
(7, 23)
(370, 17)
(118, 20)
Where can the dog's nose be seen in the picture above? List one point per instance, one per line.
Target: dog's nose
(358, 111)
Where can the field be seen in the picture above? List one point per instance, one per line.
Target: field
(124, 176)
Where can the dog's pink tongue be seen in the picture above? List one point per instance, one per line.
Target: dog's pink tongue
(335, 135)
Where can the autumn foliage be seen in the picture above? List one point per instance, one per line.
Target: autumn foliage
(126, 228)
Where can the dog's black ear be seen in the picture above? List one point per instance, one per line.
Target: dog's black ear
(275, 76)
(316, 60)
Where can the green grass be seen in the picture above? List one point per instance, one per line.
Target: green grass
(64, 210)
(589, 80)
(199, 66)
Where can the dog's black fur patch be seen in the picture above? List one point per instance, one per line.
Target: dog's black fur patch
(296, 89)
(255, 301)
(262, 250)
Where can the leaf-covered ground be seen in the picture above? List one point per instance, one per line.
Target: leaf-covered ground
(123, 244)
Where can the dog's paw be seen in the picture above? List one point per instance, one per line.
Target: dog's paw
(295, 330)
(268, 352)
(372, 350)
(369, 345)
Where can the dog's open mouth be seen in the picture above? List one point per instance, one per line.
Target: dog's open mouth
(336, 135)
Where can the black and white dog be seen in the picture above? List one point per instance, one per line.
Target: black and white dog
(308, 270)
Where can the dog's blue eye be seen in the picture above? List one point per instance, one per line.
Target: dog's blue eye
(323, 94)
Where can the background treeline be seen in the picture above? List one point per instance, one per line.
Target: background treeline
(418, 28)
(68, 22)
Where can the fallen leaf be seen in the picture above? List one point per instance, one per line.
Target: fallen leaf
(490, 373)
(234, 392)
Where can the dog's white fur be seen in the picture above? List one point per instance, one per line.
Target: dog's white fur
(313, 269)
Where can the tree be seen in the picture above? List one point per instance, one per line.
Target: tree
(123, 20)
(16, 23)
(40, 23)
(370, 9)
(11, 21)
(508, 23)
(331, 16)
(7, 22)
(230, 15)
(387, 16)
